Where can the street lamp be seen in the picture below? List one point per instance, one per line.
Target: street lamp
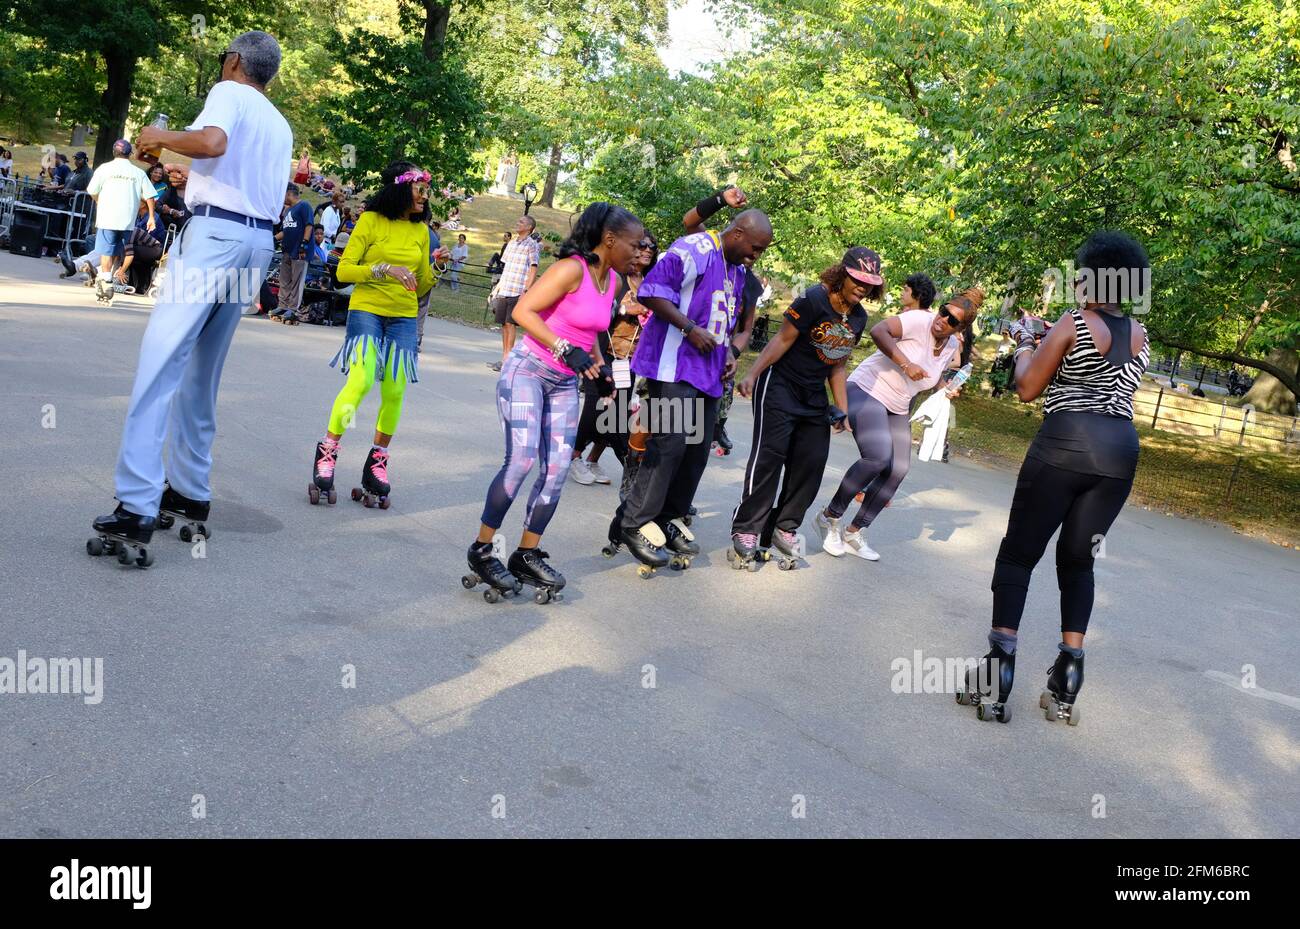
(530, 194)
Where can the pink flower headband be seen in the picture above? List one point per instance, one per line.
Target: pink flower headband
(413, 175)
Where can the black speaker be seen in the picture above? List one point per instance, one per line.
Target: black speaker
(27, 233)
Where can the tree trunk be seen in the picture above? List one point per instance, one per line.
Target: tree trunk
(552, 177)
(116, 100)
(436, 16)
(1268, 394)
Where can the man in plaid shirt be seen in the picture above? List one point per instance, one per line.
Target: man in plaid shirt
(520, 258)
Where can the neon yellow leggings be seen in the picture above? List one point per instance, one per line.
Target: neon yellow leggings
(361, 377)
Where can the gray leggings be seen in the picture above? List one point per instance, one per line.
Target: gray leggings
(885, 444)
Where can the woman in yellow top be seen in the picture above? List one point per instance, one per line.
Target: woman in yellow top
(387, 257)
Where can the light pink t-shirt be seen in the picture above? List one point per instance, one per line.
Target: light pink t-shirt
(577, 317)
(885, 381)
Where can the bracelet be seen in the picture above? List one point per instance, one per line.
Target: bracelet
(560, 349)
(690, 325)
(1023, 348)
(379, 270)
(735, 352)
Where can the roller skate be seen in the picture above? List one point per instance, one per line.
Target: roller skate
(322, 474)
(646, 545)
(744, 551)
(680, 543)
(722, 443)
(979, 685)
(529, 566)
(486, 568)
(789, 549)
(104, 289)
(193, 513)
(124, 534)
(374, 480)
(1064, 680)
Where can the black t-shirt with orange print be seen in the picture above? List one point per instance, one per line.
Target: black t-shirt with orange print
(825, 339)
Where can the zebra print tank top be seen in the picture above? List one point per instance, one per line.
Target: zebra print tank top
(1086, 382)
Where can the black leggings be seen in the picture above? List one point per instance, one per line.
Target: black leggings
(589, 425)
(1082, 506)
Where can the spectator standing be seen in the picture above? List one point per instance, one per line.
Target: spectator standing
(331, 218)
(519, 261)
(6, 162)
(435, 236)
(117, 187)
(459, 255)
(295, 232)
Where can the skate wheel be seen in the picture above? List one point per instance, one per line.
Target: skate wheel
(786, 565)
(383, 503)
(356, 493)
(313, 494)
(1073, 718)
(676, 564)
(469, 581)
(165, 521)
(144, 559)
(1043, 699)
(333, 497)
(608, 551)
(557, 596)
(753, 566)
(94, 547)
(963, 698)
(1004, 716)
(983, 711)
(645, 571)
(204, 531)
(1049, 713)
(542, 596)
(491, 595)
(186, 534)
(123, 556)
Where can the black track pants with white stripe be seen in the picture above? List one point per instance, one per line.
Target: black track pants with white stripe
(786, 462)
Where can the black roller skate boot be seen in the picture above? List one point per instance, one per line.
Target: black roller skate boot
(193, 513)
(998, 665)
(322, 473)
(125, 535)
(1064, 681)
(529, 566)
(744, 552)
(722, 443)
(680, 543)
(374, 480)
(486, 568)
(789, 547)
(646, 545)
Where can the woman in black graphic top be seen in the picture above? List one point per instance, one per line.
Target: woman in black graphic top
(1079, 470)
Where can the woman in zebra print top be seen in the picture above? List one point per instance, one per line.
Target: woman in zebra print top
(1079, 470)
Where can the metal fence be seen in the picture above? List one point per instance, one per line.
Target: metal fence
(1240, 426)
(63, 218)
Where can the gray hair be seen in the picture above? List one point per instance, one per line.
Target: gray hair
(259, 55)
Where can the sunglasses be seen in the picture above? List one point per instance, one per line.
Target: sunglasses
(421, 189)
(954, 321)
(221, 59)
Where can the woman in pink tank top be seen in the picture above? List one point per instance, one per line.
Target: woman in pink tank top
(537, 393)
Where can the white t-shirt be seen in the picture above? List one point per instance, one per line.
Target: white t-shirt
(460, 253)
(330, 220)
(885, 381)
(251, 176)
(119, 186)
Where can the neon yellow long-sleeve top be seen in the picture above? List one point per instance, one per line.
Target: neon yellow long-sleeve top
(378, 239)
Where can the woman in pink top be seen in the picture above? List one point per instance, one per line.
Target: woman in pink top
(916, 347)
(537, 393)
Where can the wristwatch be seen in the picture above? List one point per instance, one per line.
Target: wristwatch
(690, 324)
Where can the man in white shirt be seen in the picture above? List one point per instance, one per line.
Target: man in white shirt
(459, 255)
(117, 187)
(241, 149)
(332, 216)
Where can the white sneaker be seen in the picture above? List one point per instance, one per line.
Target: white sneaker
(832, 541)
(579, 471)
(599, 476)
(856, 544)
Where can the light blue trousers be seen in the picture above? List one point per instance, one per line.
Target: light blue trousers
(214, 269)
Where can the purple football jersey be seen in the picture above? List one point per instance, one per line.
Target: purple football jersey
(694, 276)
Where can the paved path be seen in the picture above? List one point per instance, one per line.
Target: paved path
(222, 675)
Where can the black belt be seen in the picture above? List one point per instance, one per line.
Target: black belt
(217, 212)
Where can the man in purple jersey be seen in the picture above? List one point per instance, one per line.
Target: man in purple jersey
(694, 293)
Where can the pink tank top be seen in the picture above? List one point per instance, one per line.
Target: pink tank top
(578, 317)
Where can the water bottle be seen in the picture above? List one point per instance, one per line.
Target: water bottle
(960, 377)
(151, 155)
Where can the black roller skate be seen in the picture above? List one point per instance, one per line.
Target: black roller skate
(125, 535)
(322, 474)
(979, 684)
(744, 551)
(529, 566)
(1064, 680)
(193, 513)
(486, 568)
(104, 290)
(789, 549)
(374, 480)
(722, 443)
(680, 543)
(646, 545)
